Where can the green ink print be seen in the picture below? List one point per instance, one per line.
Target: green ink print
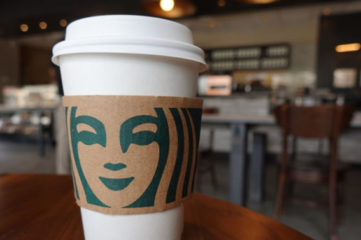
(161, 136)
(114, 166)
(190, 153)
(75, 186)
(88, 138)
(116, 184)
(172, 189)
(142, 138)
(71, 165)
(196, 116)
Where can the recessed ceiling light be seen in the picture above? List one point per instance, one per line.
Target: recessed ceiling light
(24, 27)
(181, 8)
(43, 25)
(327, 11)
(166, 5)
(258, 1)
(221, 3)
(63, 22)
(211, 23)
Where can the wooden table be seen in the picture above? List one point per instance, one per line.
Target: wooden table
(37, 207)
(239, 126)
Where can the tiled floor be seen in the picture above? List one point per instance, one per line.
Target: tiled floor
(24, 157)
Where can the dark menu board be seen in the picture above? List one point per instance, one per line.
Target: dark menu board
(262, 57)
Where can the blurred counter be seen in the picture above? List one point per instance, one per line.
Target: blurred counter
(27, 121)
(259, 105)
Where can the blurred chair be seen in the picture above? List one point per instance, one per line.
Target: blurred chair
(46, 131)
(318, 122)
(205, 161)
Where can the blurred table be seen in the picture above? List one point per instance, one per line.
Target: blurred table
(37, 207)
(239, 126)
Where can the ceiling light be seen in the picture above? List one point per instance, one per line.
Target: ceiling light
(258, 1)
(211, 23)
(43, 25)
(349, 47)
(221, 3)
(24, 27)
(327, 11)
(63, 22)
(169, 8)
(166, 5)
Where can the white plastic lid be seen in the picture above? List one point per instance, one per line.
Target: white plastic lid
(129, 34)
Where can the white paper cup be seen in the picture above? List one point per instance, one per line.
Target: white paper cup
(129, 55)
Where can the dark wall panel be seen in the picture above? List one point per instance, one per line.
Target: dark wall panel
(335, 30)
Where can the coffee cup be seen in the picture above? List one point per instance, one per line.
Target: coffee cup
(130, 62)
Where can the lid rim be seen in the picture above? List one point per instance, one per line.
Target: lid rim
(202, 64)
(121, 40)
(154, 47)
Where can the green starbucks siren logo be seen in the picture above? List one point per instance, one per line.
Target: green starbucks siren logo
(188, 117)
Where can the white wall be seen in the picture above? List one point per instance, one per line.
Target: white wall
(297, 26)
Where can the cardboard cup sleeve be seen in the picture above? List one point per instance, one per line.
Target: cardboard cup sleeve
(132, 154)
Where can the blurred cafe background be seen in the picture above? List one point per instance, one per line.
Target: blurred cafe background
(261, 54)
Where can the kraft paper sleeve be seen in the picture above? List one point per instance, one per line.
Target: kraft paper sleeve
(132, 154)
